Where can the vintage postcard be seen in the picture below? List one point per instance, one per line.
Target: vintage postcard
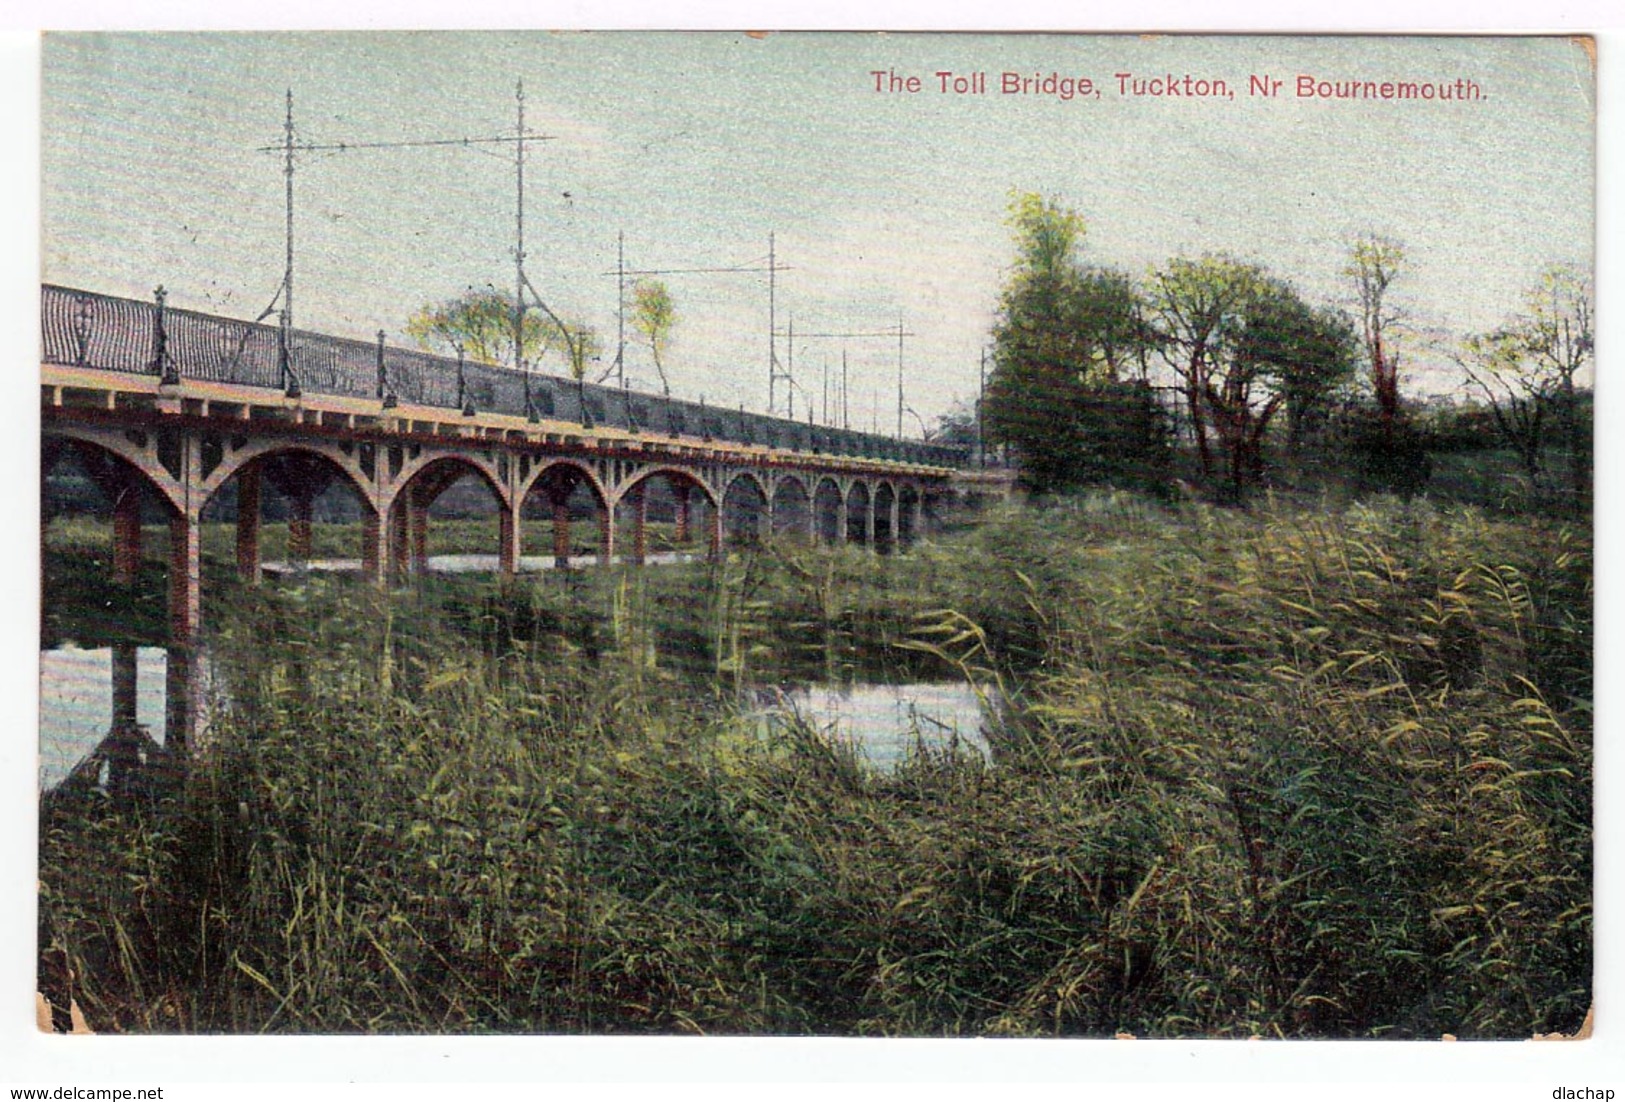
(817, 534)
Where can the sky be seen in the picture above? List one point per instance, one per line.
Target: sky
(885, 207)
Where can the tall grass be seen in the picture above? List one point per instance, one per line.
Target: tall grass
(1289, 772)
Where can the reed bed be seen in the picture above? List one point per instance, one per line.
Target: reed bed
(1296, 771)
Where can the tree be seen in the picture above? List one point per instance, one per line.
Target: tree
(1374, 262)
(654, 315)
(1519, 395)
(1306, 353)
(1200, 307)
(1243, 346)
(956, 428)
(1558, 337)
(1526, 370)
(481, 324)
(1389, 453)
(580, 343)
(1065, 336)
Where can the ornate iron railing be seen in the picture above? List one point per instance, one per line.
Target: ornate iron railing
(84, 329)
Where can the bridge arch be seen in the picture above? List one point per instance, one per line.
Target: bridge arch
(858, 511)
(353, 462)
(792, 508)
(745, 508)
(477, 463)
(829, 512)
(559, 467)
(568, 489)
(422, 484)
(122, 486)
(689, 475)
(666, 495)
(128, 487)
(139, 451)
(302, 476)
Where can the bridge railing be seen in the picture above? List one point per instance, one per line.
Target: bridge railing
(84, 329)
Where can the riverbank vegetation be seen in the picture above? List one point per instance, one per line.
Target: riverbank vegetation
(1309, 769)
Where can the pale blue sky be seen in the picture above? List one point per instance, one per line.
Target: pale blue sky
(885, 206)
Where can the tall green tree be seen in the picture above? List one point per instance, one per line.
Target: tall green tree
(1305, 353)
(1557, 333)
(1243, 346)
(1374, 263)
(581, 345)
(1065, 338)
(1200, 307)
(1389, 452)
(480, 323)
(654, 316)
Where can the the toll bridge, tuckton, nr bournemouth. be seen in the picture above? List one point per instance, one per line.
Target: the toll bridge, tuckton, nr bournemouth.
(179, 412)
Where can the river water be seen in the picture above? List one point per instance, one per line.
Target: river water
(107, 704)
(87, 695)
(77, 702)
(482, 564)
(885, 722)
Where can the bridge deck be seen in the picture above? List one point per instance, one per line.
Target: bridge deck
(126, 397)
(115, 352)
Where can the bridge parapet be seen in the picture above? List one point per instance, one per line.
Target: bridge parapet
(94, 332)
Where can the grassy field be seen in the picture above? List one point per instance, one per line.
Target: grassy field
(1302, 770)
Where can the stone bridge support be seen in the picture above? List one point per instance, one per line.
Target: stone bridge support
(127, 533)
(637, 499)
(606, 536)
(301, 478)
(680, 521)
(183, 684)
(374, 545)
(248, 524)
(508, 536)
(561, 532)
(121, 485)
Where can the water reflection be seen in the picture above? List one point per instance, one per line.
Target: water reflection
(480, 564)
(111, 718)
(884, 722)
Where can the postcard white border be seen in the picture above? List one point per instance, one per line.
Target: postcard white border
(267, 1067)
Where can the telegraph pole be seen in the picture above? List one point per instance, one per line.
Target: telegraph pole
(896, 331)
(899, 376)
(774, 373)
(846, 408)
(519, 249)
(287, 172)
(773, 267)
(288, 147)
(620, 309)
(284, 346)
(790, 372)
(981, 399)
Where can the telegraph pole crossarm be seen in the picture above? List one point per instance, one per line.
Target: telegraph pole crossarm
(772, 268)
(288, 147)
(897, 331)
